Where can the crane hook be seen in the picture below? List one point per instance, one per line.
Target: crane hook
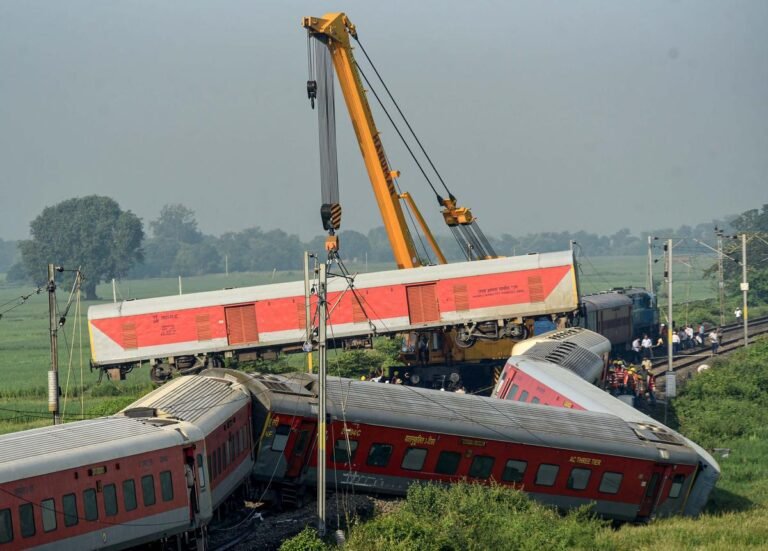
(312, 91)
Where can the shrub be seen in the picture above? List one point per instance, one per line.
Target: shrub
(306, 540)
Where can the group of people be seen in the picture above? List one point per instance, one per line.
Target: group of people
(630, 380)
(684, 338)
(380, 377)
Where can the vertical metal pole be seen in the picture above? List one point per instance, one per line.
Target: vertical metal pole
(226, 265)
(114, 291)
(180, 291)
(670, 391)
(744, 285)
(307, 313)
(720, 280)
(321, 429)
(53, 374)
(649, 279)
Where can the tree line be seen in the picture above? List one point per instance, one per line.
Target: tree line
(94, 233)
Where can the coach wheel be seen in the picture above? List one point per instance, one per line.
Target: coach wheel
(463, 339)
(160, 373)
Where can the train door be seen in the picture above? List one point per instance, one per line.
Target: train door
(422, 303)
(301, 448)
(241, 324)
(191, 481)
(659, 475)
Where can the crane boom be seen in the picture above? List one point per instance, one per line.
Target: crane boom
(337, 28)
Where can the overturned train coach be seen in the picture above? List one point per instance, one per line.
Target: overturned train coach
(494, 299)
(567, 380)
(383, 438)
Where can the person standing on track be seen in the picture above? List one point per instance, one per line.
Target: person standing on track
(636, 350)
(737, 313)
(647, 345)
(714, 339)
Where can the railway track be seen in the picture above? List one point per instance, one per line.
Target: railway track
(686, 362)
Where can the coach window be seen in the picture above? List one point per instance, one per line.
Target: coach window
(48, 511)
(281, 437)
(200, 471)
(344, 450)
(148, 489)
(89, 504)
(481, 466)
(6, 526)
(578, 479)
(69, 502)
(547, 474)
(110, 500)
(523, 396)
(512, 392)
(413, 460)
(448, 463)
(514, 471)
(610, 483)
(27, 517)
(166, 486)
(129, 494)
(535, 400)
(379, 454)
(210, 468)
(677, 485)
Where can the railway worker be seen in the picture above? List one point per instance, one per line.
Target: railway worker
(647, 345)
(630, 384)
(737, 313)
(714, 339)
(650, 387)
(702, 333)
(640, 387)
(423, 350)
(675, 343)
(613, 381)
(636, 349)
(690, 338)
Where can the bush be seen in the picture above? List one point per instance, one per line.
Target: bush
(474, 516)
(306, 540)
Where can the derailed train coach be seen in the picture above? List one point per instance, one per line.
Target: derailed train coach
(200, 329)
(383, 438)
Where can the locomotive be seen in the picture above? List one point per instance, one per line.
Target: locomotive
(621, 315)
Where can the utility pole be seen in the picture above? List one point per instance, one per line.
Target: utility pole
(307, 312)
(670, 383)
(744, 285)
(649, 279)
(720, 280)
(321, 304)
(53, 374)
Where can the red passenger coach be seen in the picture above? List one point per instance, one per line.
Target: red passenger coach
(221, 409)
(191, 330)
(107, 483)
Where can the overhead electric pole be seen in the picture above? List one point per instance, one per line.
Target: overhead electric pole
(53, 374)
(649, 279)
(321, 437)
(670, 388)
(720, 279)
(744, 286)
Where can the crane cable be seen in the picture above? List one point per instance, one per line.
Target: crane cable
(402, 115)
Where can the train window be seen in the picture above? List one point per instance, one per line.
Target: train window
(514, 471)
(379, 454)
(281, 437)
(129, 494)
(210, 468)
(677, 486)
(218, 461)
(523, 396)
(547, 474)
(578, 479)
(200, 471)
(166, 486)
(512, 392)
(535, 400)
(148, 489)
(48, 511)
(413, 460)
(481, 466)
(448, 463)
(89, 504)
(110, 500)
(344, 450)
(27, 518)
(69, 502)
(6, 526)
(610, 483)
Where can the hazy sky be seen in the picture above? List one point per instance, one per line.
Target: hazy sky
(541, 116)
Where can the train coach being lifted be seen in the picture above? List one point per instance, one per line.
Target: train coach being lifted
(493, 299)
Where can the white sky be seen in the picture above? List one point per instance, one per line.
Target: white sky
(542, 116)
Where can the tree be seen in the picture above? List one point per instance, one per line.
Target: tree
(92, 233)
(176, 223)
